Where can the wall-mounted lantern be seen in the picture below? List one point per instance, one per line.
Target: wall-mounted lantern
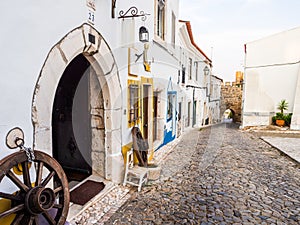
(206, 70)
(143, 34)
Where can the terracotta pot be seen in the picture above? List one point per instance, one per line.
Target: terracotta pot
(280, 123)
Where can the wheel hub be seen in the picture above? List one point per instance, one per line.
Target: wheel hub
(39, 200)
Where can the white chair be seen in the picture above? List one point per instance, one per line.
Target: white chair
(134, 175)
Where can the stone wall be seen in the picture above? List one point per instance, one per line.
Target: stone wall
(231, 98)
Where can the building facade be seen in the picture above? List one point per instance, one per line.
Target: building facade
(78, 82)
(271, 75)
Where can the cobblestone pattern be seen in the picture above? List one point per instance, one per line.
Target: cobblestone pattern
(102, 210)
(231, 177)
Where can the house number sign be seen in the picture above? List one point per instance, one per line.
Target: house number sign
(91, 17)
(91, 11)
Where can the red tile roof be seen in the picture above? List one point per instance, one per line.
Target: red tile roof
(189, 29)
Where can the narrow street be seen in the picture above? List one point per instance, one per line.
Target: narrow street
(219, 175)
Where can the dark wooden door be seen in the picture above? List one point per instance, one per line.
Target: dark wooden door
(145, 110)
(71, 131)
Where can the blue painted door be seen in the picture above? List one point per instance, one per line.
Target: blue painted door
(170, 130)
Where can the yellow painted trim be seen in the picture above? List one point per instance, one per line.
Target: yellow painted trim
(129, 64)
(133, 82)
(5, 204)
(19, 169)
(147, 67)
(125, 149)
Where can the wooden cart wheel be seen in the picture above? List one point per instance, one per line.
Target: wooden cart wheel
(41, 193)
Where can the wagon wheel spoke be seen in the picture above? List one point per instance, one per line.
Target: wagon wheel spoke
(26, 175)
(36, 220)
(32, 198)
(16, 181)
(58, 206)
(58, 189)
(50, 220)
(13, 210)
(17, 219)
(39, 173)
(33, 219)
(10, 196)
(48, 178)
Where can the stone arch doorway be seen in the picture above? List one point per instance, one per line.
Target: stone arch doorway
(71, 127)
(86, 45)
(231, 98)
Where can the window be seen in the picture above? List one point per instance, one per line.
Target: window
(194, 112)
(173, 29)
(160, 29)
(183, 75)
(190, 68)
(133, 103)
(197, 71)
(170, 107)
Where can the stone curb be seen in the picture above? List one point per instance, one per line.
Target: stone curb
(290, 156)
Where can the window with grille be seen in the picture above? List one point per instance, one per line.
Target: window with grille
(133, 103)
(183, 75)
(160, 19)
(173, 28)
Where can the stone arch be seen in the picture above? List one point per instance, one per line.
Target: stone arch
(85, 40)
(232, 116)
(231, 98)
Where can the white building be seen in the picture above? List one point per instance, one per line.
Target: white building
(76, 77)
(215, 99)
(271, 74)
(194, 79)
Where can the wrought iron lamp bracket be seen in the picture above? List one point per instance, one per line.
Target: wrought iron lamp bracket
(133, 12)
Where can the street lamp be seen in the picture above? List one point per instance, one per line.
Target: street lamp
(143, 34)
(206, 70)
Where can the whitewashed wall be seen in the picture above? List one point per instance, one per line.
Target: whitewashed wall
(271, 74)
(29, 29)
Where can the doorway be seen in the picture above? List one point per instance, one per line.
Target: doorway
(194, 113)
(189, 115)
(155, 116)
(170, 131)
(145, 111)
(71, 120)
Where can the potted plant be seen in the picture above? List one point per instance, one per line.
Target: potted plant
(280, 117)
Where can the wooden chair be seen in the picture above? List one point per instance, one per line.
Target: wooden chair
(134, 175)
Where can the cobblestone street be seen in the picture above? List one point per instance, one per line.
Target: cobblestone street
(219, 175)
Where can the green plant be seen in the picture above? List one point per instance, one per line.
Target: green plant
(283, 105)
(288, 118)
(278, 116)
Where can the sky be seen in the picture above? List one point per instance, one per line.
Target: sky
(222, 27)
